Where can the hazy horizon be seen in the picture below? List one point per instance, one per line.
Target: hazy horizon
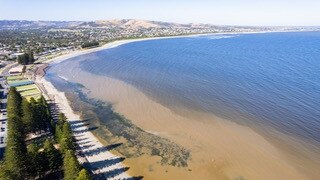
(159, 21)
(233, 12)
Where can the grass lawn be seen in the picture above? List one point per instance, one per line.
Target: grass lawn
(30, 92)
(17, 81)
(14, 78)
(20, 82)
(35, 96)
(26, 87)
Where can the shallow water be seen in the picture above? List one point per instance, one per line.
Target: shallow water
(272, 79)
(269, 81)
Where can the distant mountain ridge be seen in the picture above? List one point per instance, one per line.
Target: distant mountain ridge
(9, 24)
(120, 23)
(137, 25)
(134, 23)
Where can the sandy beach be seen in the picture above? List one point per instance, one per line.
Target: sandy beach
(220, 149)
(94, 155)
(71, 54)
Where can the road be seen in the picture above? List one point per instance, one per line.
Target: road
(3, 118)
(3, 112)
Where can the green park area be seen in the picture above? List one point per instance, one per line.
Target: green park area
(49, 153)
(15, 78)
(24, 86)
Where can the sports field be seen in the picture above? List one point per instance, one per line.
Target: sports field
(26, 87)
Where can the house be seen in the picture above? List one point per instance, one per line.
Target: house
(16, 70)
(15, 55)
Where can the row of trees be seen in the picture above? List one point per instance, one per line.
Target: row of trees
(90, 44)
(63, 135)
(43, 159)
(38, 159)
(36, 116)
(16, 160)
(26, 58)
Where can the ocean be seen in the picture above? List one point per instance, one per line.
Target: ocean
(262, 80)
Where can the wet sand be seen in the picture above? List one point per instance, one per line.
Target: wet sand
(219, 148)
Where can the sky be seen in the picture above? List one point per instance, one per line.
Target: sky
(219, 12)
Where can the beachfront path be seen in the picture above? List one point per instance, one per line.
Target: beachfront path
(93, 155)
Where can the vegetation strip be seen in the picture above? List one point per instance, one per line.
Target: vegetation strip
(38, 146)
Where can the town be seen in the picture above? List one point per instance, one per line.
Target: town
(41, 137)
(47, 39)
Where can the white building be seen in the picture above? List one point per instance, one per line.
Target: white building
(16, 70)
(15, 55)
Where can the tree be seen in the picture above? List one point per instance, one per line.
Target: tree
(66, 136)
(26, 58)
(16, 151)
(61, 119)
(5, 173)
(15, 160)
(65, 145)
(30, 57)
(14, 103)
(21, 162)
(38, 161)
(40, 123)
(52, 154)
(90, 44)
(57, 133)
(53, 126)
(28, 118)
(23, 59)
(63, 133)
(44, 113)
(24, 69)
(83, 175)
(66, 131)
(70, 166)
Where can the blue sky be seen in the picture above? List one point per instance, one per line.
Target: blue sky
(221, 12)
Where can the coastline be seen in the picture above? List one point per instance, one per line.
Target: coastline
(92, 153)
(117, 43)
(232, 129)
(94, 142)
(219, 148)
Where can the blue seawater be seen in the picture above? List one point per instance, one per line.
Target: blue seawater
(267, 79)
